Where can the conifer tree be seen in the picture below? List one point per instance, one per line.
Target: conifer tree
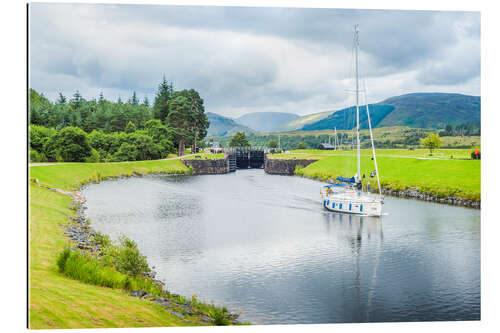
(161, 106)
(61, 99)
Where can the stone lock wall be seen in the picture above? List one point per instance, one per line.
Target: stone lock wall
(276, 166)
(208, 166)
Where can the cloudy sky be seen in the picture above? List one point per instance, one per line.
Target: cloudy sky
(247, 59)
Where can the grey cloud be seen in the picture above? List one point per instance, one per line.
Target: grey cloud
(237, 57)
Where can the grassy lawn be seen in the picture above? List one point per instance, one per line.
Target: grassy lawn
(56, 301)
(441, 177)
(205, 156)
(71, 176)
(417, 153)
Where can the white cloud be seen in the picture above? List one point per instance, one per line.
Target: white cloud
(282, 64)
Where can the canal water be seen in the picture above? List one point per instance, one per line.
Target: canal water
(264, 246)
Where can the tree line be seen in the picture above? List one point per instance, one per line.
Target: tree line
(465, 129)
(98, 130)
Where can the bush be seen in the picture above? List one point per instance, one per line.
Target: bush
(37, 156)
(62, 258)
(94, 156)
(219, 316)
(91, 270)
(126, 258)
(38, 135)
(126, 152)
(101, 240)
(69, 145)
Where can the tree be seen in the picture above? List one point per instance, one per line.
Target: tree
(239, 140)
(39, 135)
(179, 119)
(69, 144)
(432, 141)
(146, 101)
(61, 99)
(133, 100)
(301, 145)
(126, 152)
(200, 121)
(161, 107)
(101, 98)
(77, 100)
(130, 128)
(272, 143)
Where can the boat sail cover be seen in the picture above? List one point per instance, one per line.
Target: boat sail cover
(346, 180)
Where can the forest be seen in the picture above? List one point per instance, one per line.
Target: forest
(98, 130)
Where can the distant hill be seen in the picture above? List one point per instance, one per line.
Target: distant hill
(266, 121)
(346, 118)
(300, 122)
(432, 110)
(220, 126)
(419, 110)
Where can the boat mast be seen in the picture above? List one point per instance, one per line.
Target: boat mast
(356, 41)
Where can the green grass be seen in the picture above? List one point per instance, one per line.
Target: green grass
(71, 176)
(205, 156)
(417, 153)
(57, 301)
(440, 177)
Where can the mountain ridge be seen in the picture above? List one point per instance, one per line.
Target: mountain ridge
(418, 110)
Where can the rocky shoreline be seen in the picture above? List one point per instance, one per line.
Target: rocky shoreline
(81, 233)
(415, 194)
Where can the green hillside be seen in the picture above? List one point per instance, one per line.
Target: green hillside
(419, 110)
(432, 110)
(298, 123)
(345, 119)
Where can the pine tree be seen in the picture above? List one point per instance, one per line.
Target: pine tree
(161, 106)
(61, 99)
(101, 97)
(133, 100)
(77, 100)
(146, 101)
(130, 127)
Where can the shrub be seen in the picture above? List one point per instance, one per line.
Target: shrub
(62, 258)
(126, 258)
(38, 135)
(36, 156)
(219, 316)
(69, 144)
(94, 156)
(126, 152)
(101, 240)
(91, 270)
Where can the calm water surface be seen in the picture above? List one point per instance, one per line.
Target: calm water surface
(263, 245)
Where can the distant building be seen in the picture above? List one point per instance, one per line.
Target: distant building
(215, 145)
(326, 146)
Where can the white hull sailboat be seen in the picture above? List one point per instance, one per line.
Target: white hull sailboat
(347, 196)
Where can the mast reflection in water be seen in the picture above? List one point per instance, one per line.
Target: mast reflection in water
(263, 245)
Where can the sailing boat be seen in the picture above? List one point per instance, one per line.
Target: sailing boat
(346, 196)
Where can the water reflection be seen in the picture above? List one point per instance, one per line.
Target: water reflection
(263, 245)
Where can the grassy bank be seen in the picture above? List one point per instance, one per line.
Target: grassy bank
(57, 301)
(439, 177)
(70, 176)
(417, 153)
(202, 156)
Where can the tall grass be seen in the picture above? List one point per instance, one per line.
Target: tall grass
(91, 270)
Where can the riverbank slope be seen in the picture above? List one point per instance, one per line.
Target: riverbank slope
(441, 178)
(56, 301)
